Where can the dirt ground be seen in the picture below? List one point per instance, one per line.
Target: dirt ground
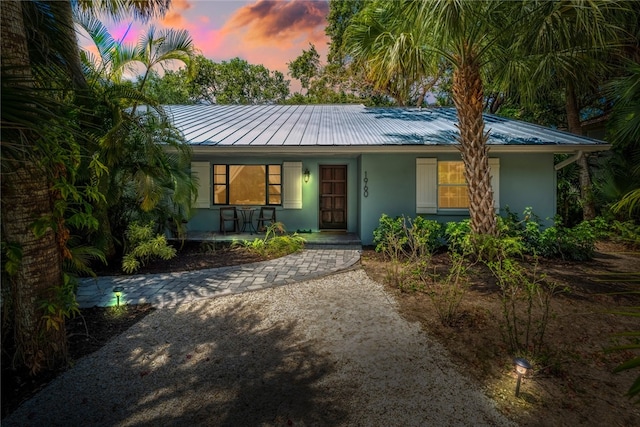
(572, 382)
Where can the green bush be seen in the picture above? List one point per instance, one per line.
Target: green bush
(526, 305)
(141, 246)
(389, 229)
(458, 236)
(446, 292)
(462, 240)
(276, 242)
(412, 238)
(575, 244)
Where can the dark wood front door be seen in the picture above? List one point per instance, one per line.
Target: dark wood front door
(333, 197)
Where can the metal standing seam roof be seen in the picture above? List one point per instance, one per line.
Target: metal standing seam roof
(347, 125)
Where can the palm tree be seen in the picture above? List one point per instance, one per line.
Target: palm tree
(32, 241)
(25, 199)
(625, 131)
(144, 174)
(408, 36)
(392, 52)
(468, 36)
(567, 46)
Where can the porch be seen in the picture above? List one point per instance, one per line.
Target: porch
(313, 239)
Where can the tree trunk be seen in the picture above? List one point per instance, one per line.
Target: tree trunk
(468, 99)
(25, 199)
(573, 122)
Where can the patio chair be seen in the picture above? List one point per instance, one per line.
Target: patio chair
(229, 215)
(267, 216)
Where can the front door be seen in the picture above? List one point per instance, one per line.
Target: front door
(333, 197)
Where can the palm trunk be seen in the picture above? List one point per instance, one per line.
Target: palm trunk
(468, 99)
(25, 199)
(573, 121)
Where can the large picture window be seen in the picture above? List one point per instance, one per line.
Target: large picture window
(452, 187)
(247, 184)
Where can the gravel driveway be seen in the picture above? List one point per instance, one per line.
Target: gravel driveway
(328, 352)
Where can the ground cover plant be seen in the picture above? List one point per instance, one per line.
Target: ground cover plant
(275, 243)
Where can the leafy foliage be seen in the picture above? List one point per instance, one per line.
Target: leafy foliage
(526, 305)
(142, 245)
(306, 66)
(275, 243)
(412, 237)
(446, 292)
(234, 82)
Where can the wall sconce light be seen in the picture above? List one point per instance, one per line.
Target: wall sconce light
(306, 174)
(522, 367)
(118, 291)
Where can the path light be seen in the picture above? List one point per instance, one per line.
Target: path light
(522, 367)
(307, 174)
(118, 291)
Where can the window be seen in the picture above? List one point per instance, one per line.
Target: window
(452, 187)
(441, 185)
(247, 184)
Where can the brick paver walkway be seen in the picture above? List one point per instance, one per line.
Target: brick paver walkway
(171, 289)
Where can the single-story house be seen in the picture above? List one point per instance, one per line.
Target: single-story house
(340, 167)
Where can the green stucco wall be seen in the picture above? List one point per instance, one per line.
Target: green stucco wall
(526, 180)
(293, 219)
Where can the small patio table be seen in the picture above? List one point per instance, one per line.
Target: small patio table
(247, 219)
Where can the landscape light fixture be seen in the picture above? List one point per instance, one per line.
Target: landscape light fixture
(307, 174)
(118, 291)
(522, 367)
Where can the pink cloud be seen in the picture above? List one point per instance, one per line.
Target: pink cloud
(273, 33)
(267, 21)
(174, 17)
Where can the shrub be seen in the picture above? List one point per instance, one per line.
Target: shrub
(275, 243)
(462, 240)
(574, 244)
(141, 246)
(458, 236)
(389, 230)
(446, 293)
(526, 303)
(626, 232)
(408, 244)
(412, 237)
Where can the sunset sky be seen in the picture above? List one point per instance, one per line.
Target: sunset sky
(271, 33)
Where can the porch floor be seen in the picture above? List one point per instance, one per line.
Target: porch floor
(321, 238)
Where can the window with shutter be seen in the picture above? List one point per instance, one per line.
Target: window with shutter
(441, 185)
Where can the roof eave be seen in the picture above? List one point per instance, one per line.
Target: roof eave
(351, 150)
